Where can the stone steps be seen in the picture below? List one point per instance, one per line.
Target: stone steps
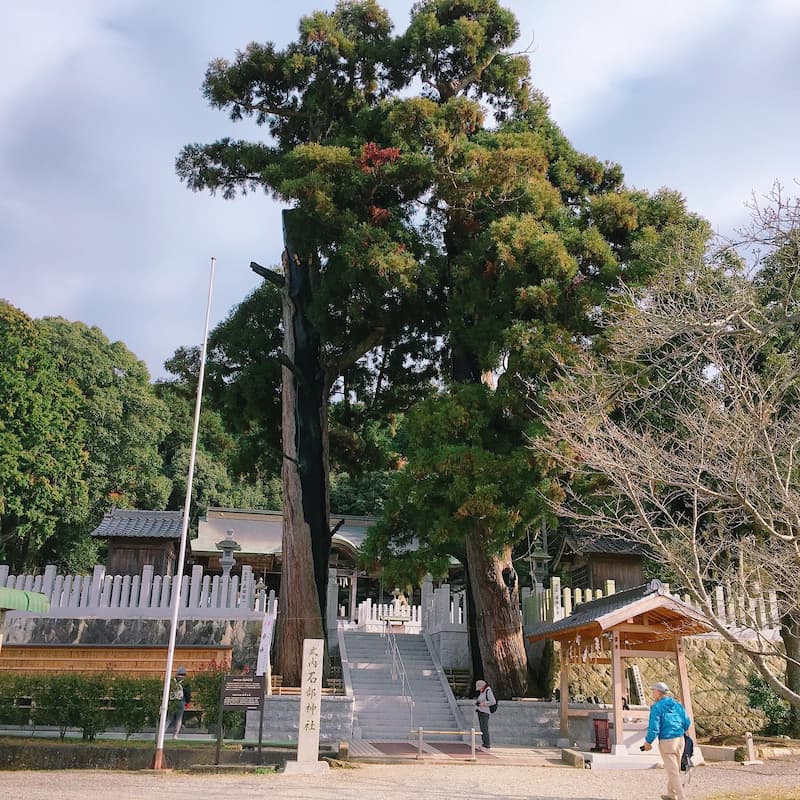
(380, 709)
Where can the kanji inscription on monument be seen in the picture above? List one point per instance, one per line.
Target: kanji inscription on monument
(310, 706)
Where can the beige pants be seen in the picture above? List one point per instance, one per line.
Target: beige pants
(671, 751)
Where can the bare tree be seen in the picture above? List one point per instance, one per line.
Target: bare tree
(682, 432)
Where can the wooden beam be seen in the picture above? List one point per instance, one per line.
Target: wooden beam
(647, 653)
(635, 627)
(684, 688)
(617, 677)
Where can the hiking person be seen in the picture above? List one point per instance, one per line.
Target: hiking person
(483, 708)
(668, 723)
(180, 694)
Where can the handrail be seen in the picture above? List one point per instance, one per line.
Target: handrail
(399, 670)
(420, 732)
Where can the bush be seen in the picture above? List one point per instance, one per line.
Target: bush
(136, 701)
(777, 711)
(95, 703)
(74, 700)
(205, 692)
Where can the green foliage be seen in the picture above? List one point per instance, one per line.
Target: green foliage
(73, 700)
(777, 711)
(205, 692)
(43, 460)
(136, 703)
(94, 703)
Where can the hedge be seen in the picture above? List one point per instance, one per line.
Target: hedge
(97, 702)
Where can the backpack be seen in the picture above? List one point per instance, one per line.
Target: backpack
(176, 690)
(688, 752)
(493, 707)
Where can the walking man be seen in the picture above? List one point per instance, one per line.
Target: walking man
(483, 708)
(668, 723)
(179, 696)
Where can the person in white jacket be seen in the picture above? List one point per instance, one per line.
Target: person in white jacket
(485, 699)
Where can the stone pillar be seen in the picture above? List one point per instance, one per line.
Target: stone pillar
(426, 600)
(354, 595)
(333, 601)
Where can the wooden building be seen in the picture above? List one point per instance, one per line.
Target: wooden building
(138, 538)
(588, 559)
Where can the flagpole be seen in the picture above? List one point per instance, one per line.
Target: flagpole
(158, 756)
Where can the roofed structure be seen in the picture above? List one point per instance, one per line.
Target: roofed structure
(642, 622)
(590, 558)
(128, 523)
(138, 538)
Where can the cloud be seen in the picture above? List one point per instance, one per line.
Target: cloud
(99, 96)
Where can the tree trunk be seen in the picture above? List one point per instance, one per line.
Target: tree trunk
(498, 621)
(790, 633)
(306, 528)
(472, 625)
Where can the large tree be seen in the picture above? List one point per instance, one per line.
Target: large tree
(531, 237)
(682, 434)
(352, 260)
(42, 432)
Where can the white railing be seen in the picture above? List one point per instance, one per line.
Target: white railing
(398, 670)
(372, 617)
(146, 596)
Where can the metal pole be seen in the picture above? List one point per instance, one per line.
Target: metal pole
(472, 738)
(158, 756)
(419, 743)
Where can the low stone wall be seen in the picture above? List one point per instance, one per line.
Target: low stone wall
(243, 636)
(26, 754)
(282, 719)
(518, 722)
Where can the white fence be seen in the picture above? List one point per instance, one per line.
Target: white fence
(373, 617)
(737, 607)
(147, 596)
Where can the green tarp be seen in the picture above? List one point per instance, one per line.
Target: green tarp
(17, 600)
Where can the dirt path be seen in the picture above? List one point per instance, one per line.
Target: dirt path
(378, 782)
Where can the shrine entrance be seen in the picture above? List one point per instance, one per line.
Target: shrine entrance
(644, 622)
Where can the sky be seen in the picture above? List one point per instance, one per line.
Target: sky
(99, 96)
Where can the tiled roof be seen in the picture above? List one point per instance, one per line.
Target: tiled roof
(140, 524)
(586, 613)
(585, 542)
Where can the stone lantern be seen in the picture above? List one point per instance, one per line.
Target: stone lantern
(228, 546)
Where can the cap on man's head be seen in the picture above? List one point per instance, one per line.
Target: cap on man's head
(479, 684)
(660, 687)
(181, 671)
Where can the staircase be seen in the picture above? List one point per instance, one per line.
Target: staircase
(381, 711)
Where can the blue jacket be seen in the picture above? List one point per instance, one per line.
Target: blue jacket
(668, 720)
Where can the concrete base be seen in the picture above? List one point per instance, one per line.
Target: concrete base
(306, 768)
(606, 761)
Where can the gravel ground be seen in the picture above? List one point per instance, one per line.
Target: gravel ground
(379, 782)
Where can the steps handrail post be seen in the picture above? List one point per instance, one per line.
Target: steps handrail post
(419, 742)
(472, 742)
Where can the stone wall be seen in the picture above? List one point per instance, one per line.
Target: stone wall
(282, 719)
(518, 722)
(243, 636)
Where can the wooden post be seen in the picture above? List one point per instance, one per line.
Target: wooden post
(563, 734)
(617, 683)
(685, 694)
